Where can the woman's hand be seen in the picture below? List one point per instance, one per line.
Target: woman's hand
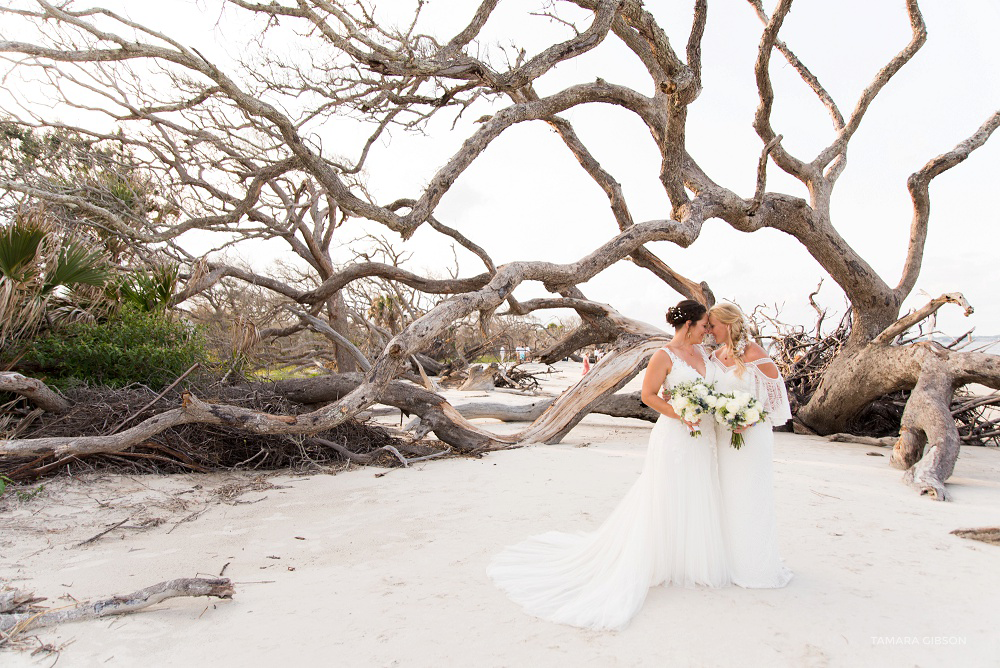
(692, 426)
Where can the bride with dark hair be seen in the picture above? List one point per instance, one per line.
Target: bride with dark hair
(667, 528)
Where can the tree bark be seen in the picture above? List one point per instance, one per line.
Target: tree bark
(34, 391)
(582, 336)
(616, 405)
(12, 623)
(346, 362)
(481, 377)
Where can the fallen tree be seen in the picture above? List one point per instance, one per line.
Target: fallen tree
(253, 137)
(436, 414)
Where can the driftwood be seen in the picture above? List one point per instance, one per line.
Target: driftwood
(12, 623)
(481, 377)
(635, 346)
(581, 337)
(885, 441)
(198, 447)
(989, 535)
(928, 424)
(616, 405)
(34, 390)
(430, 365)
(14, 599)
(370, 457)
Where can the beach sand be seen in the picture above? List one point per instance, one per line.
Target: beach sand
(368, 568)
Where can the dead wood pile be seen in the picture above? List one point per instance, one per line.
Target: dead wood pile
(195, 447)
(802, 357)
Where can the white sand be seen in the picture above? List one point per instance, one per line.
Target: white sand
(360, 570)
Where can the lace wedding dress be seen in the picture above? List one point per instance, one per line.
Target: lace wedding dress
(746, 477)
(666, 530)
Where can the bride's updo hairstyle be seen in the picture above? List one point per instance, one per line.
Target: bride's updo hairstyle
(732, 317)
(686, 311)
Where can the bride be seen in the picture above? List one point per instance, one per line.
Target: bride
(667, 528)
(746, 476)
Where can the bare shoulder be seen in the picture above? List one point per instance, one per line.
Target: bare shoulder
(755, 353)
(660, 359)
(656, 371)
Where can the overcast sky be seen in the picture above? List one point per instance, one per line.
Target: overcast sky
(527, 198)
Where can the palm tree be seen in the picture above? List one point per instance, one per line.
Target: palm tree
(40, 270)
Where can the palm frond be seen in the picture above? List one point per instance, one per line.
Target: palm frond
(76, 264)
(19, 250)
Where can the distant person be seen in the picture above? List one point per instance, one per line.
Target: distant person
(586, 363)
(503, 354)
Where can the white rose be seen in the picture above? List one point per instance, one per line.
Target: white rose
(733, 406)
(701, 390)
(751, 416)
(712, 401)
(743, 397)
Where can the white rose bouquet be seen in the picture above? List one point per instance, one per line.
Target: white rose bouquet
(693, 400)
(736, 410)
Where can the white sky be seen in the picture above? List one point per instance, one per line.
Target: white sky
(526, 197)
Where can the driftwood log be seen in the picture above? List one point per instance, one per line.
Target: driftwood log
(34, 390)
(12, 623)
(616, 405)
(481, 377)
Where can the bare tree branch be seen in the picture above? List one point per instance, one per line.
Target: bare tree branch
(919, 186)
(904, 323)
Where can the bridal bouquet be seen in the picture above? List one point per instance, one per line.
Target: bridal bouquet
(736, 410)
(692, 400)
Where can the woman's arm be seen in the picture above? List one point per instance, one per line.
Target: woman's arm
(656, 373)
(769, 386)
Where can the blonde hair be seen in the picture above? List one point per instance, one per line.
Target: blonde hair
(732, 317)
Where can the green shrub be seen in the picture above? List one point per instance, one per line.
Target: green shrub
(131, 347)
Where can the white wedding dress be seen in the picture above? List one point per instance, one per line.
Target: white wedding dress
(666, 530)
(746, 477)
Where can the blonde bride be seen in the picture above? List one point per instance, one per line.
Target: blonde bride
(746, 475)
